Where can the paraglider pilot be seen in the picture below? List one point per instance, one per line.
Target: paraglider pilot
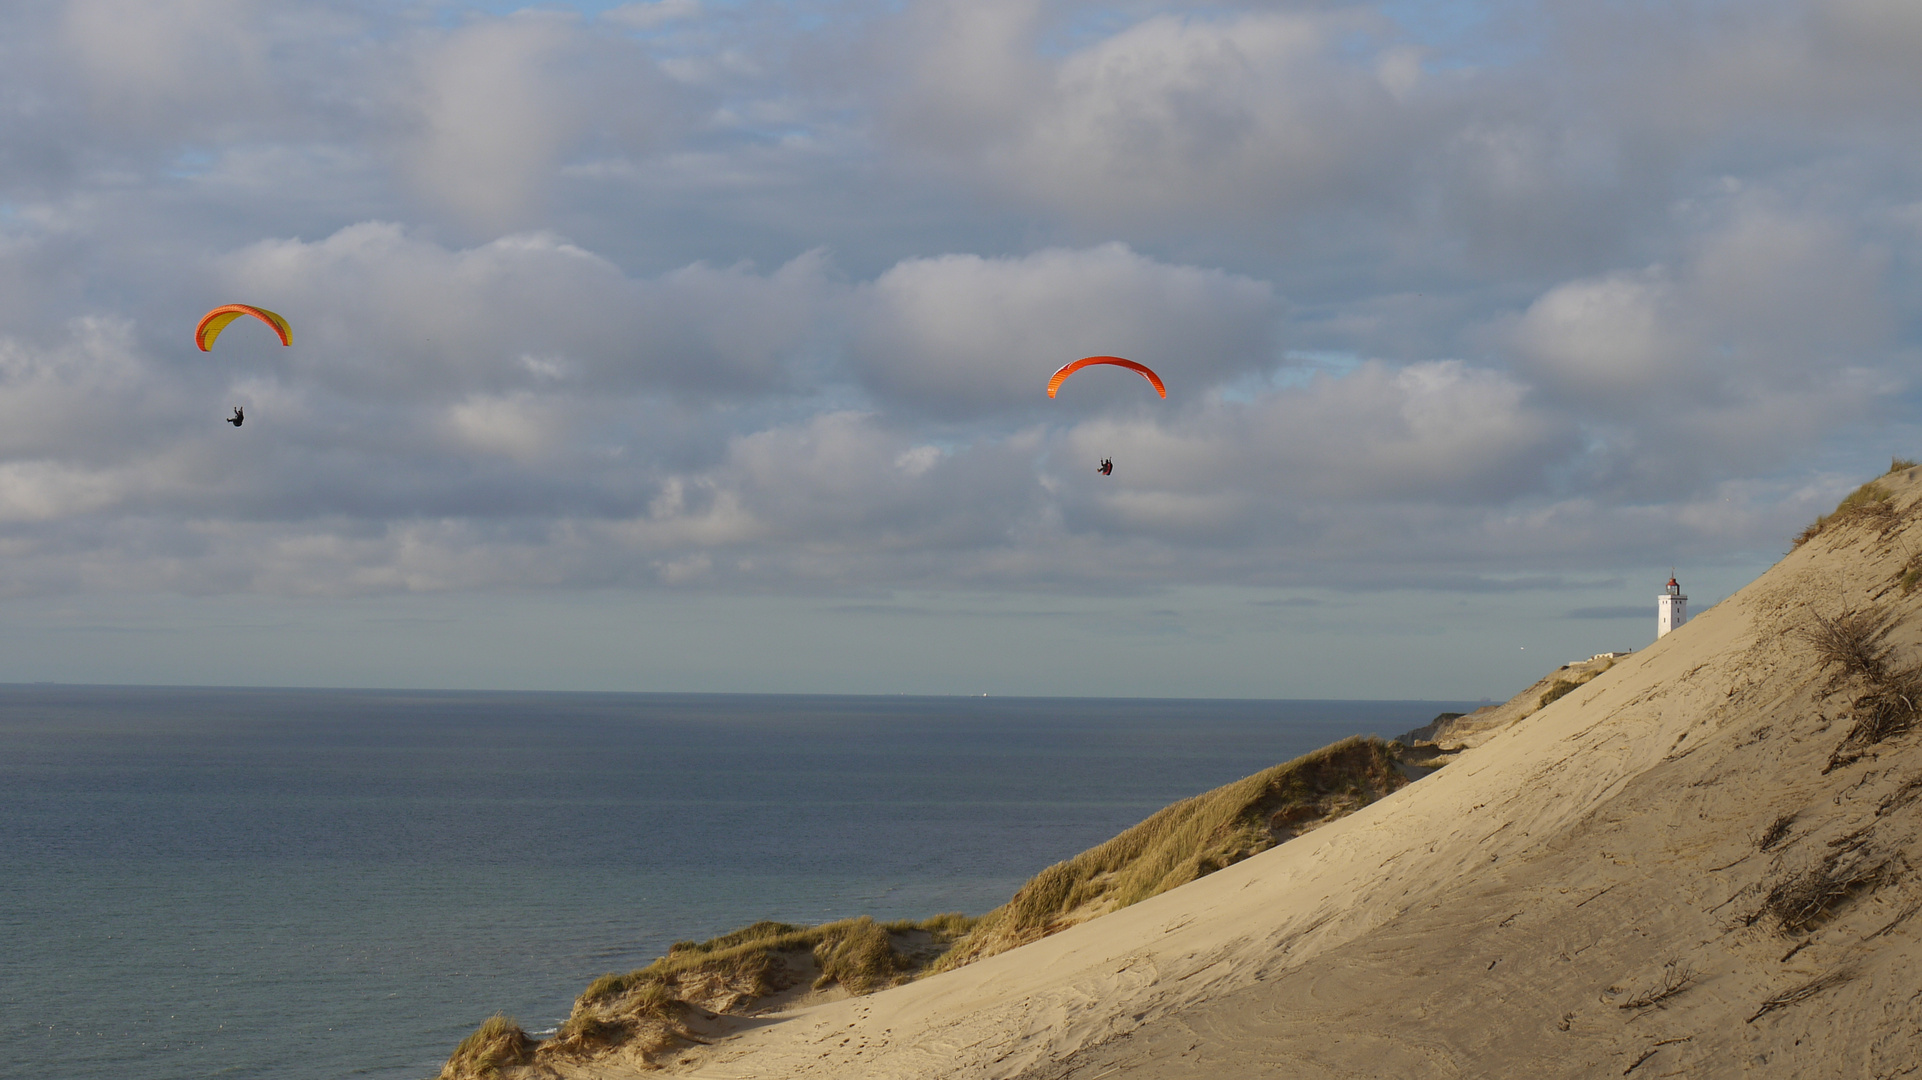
(1106, 468)
(238, 418)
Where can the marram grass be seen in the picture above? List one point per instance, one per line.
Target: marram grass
(1188, 840)
(497, 1044)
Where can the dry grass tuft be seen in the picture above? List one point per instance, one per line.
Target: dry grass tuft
(585, 1034)
(497, 1044)
(1870, 505)
(1556, 691)
(1856, 644)
(647, 1011)
(1563, 685)
(1676, 977)
(1904, 794)
(1878, 716)
(948, 925)
(861, 958)
(1800, 901)
(1911, 572)
(1855, 641)
(1806, 990)
(1883, 716)
(1777, 831)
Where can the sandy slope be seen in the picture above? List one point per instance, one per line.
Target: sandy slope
(1491, 919)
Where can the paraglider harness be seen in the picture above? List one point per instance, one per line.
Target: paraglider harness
(238, 417)
(1106, 468)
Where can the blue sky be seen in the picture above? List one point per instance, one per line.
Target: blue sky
(700, 346)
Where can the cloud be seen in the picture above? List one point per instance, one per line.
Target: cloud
(762, 299)
(146, 64)
(962, 335)
(1442, 430)
(519, 425)
(385, 312)
(493, 109)
(651, 13)
(1613, 335)
(1621, 611)
(1769, 331)
(1188, 115)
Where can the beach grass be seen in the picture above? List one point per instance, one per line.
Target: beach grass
(1564, 685)
(1186, 841)
(1870, 504)
(861, 958)
(1854, 645)
(649, 1011)
(497, 1044)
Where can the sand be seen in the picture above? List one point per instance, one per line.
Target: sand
(1493, 919)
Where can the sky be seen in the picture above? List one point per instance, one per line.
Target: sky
(701, 345)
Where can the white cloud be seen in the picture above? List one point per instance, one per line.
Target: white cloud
(783, 322)
(1203, 118)
(382, 311)
(1765, 302)
(1611, 335)
(917, 460)
(964, 335)
(147, 63)
(517, 425)
(652, 13)
(1440, 431)
(495, 112)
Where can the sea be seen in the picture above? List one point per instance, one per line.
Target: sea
(311, 884)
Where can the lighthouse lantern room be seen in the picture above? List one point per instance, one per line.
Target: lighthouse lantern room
(1671, 608)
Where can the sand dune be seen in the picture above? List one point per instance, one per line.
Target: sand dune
(1504, 916)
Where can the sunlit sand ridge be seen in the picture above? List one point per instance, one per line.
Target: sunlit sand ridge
(1696, 864)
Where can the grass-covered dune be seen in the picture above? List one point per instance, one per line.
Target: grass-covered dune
(644, 1018)
(1188, 840)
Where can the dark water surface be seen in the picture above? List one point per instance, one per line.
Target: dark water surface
(307, 884)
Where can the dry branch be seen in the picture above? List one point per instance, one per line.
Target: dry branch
(1806, 990)
(1855, 641)
(1901, 796)
(1777, 830)
(1798, 902)
(1675, 979)
(1638, 1062)
(1906, 914)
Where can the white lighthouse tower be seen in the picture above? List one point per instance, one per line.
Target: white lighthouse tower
(1671, 608)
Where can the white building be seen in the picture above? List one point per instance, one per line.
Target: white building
(1671, 608)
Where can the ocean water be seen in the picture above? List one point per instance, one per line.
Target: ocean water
(308, 884)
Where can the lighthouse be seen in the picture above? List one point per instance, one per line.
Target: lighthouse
(1671, 608)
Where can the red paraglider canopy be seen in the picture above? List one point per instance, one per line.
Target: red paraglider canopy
(1061, 376)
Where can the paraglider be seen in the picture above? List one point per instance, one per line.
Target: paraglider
(212, 323)
(1061, 376)
(1106, 468)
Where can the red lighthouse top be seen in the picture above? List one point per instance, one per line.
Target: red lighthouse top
(1673, 588)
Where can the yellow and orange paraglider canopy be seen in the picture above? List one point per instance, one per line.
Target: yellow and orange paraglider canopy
(1059, 377)
(212, 323)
